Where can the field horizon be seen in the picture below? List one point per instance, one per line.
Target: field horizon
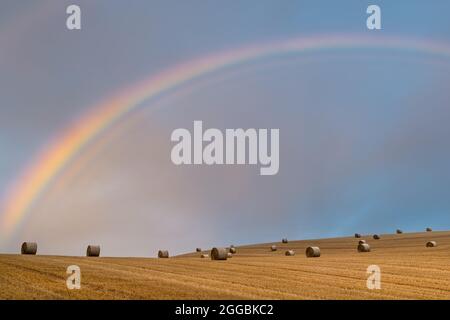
(409, 270)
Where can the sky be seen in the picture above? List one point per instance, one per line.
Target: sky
(363, 132)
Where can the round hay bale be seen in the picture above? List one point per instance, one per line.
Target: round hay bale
(289, 253)
(363, 247)
(29, 248)
(284, 240)
(163, 254)
(429, 230)
(376, 237)
(229, 255)
(93, 251)
(431, 244)
(198, 249)
(219, 254)
(362, 241)
(232, 250)
(357, 235)
(313, 252)
(273, 248)
(204, 256)
(399, 231)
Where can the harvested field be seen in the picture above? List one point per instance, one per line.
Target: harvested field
(409, 271)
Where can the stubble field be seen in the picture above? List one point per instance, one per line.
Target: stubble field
(409, 270)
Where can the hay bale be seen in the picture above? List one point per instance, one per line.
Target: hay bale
(431, 244)
(93, 251)
(289, 253)
(284, 240)
(376, 237)
(219, 254)
(399, 231)
(362, 241)
(229, 255)
(29, 248)
(357, 235)
(363, 247)
(313, 252)
(204, 256)
(232, 250)
(273, 248)
(198, 249)
(232, 246)
(163, 254)
(429, 230)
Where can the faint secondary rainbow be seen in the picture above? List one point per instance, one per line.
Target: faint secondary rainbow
(52, 159)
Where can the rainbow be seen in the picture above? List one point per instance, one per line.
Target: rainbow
(46, 166)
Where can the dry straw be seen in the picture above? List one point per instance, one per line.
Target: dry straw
(29, 248)
(431, 244)
(93, 251)
(290, 253)
(164, 254)
(219, 254)
(364, 247)
(313, 252)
